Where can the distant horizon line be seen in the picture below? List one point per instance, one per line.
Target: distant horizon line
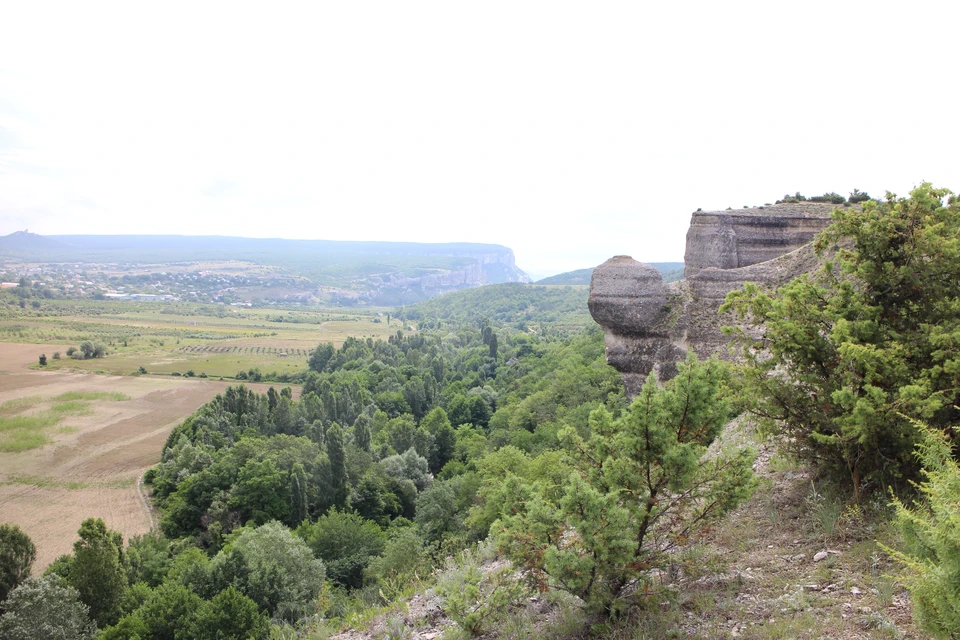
(536, 273)
(241, 237)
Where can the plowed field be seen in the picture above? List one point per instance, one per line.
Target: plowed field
(95, 455)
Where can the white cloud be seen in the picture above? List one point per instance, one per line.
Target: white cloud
(570, 132)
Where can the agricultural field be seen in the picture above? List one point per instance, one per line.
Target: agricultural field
(187, 339)
(74, 445)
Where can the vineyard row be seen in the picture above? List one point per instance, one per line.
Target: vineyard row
(275, 351)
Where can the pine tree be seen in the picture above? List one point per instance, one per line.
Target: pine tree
(361, 432)
(638, 487)
(930, 529)
(272, 399)
(444, 438)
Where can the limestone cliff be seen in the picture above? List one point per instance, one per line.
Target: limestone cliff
(649, 325)
(739, 238)
(486, 268)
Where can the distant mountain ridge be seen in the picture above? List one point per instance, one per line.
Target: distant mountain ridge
(381, 272)
(222, 243)
(26, 241)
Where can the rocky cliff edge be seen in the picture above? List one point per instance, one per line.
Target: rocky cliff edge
(649, 325)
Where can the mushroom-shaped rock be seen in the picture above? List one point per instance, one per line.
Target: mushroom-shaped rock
(627, 296)
(629, 300)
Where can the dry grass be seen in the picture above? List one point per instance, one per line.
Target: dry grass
(758, 575)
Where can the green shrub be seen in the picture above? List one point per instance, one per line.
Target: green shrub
(792, 198)
(930, 529)
(838, 358)
(637, 487)
(477, 593)
(93, 349)
(345, 542)
(831, 197)
(402, 557)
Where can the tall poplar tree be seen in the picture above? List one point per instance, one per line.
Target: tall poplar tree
(338, 466)
(298, 495)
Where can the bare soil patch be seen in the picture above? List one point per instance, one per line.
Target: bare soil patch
(92, 466)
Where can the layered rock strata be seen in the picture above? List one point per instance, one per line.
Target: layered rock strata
(649, 325)
(739, 238)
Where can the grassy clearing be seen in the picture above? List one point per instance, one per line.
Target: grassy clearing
(92, 395)
(17, 441)
(71, 408)
(50, 483)
(22, 432)
(32, 422)
(18, 405)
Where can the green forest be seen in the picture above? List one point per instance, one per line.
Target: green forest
(541, 309)
(498, 430)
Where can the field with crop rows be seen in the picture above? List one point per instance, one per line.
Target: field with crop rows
(281, 352)
(190, 340)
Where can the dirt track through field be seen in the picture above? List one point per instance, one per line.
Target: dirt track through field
(92, 466)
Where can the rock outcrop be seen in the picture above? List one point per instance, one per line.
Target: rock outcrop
(633, 305)
(739, 238)
(649, 325)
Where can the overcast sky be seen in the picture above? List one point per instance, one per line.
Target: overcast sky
(569, 132)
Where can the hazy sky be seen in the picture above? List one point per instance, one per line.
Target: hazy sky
(568, 131)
